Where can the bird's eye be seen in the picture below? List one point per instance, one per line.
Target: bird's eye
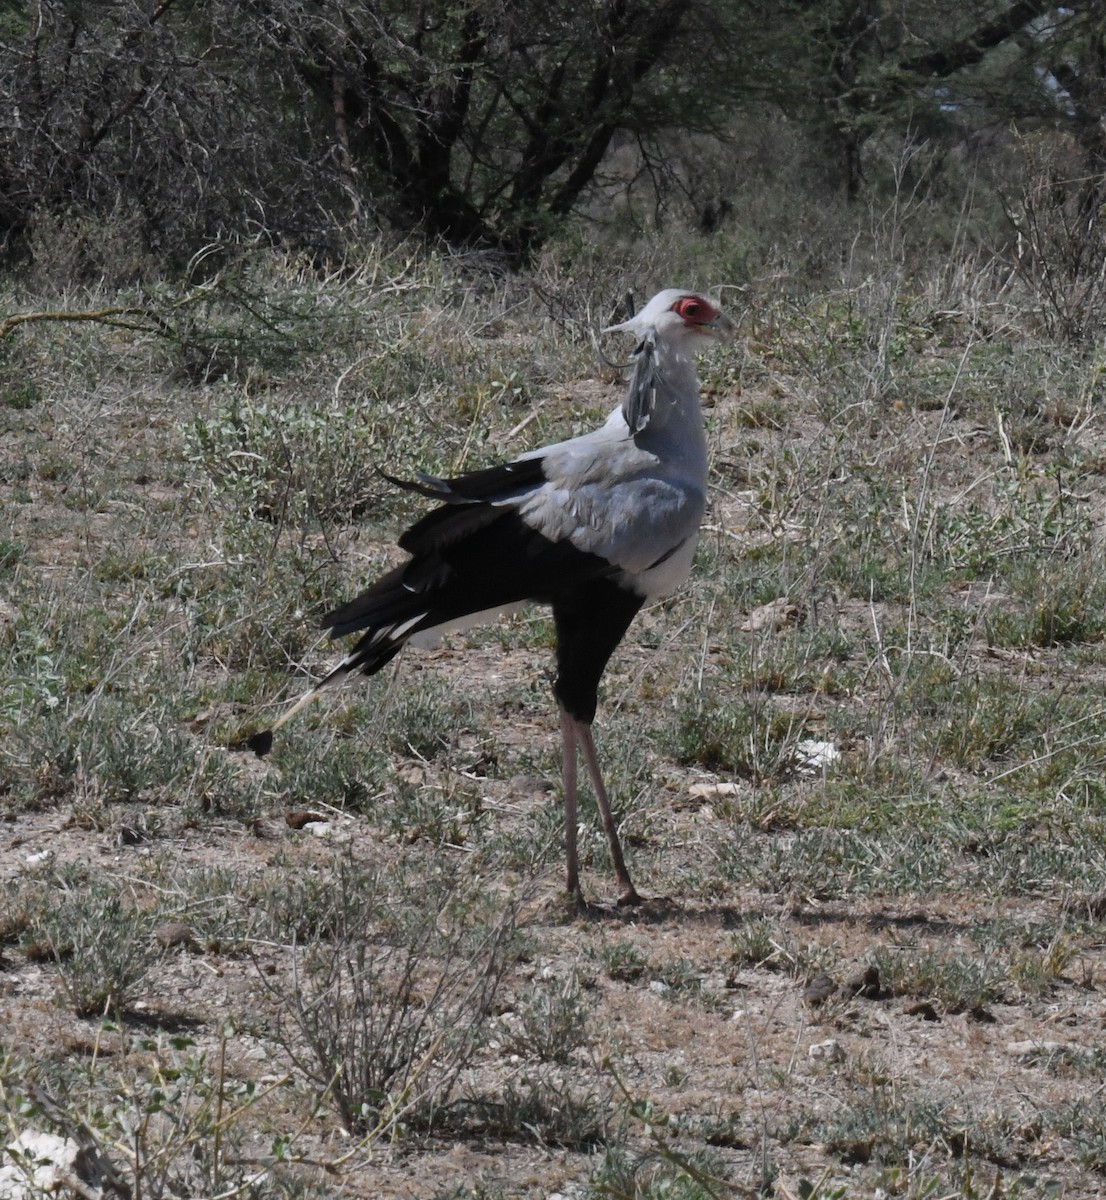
(688, 307)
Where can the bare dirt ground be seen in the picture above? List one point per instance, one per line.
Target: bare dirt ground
(731, 1056)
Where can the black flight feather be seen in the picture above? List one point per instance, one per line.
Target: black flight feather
(641, 396)
(485, 485)
(466, 561)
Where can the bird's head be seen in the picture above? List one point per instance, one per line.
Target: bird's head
(677, 313)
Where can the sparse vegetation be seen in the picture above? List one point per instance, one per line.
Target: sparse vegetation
(392, 987)
(868, 736)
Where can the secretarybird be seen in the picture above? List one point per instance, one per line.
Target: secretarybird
(594, 527)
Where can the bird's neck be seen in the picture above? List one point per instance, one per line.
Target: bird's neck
(675, 430)
(678, 395)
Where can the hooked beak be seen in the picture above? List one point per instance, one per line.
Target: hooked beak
(720, 326)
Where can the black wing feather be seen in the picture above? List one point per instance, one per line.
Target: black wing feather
(468, 560)
(641, 395)
(486, 484)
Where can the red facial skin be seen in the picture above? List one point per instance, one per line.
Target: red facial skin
(696, 312)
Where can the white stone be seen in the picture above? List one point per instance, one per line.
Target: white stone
(327, 829)
(812, 756)
(37, 1162)
(1031, 1049)
(776, 614)
(830, 1050)
(711, 791)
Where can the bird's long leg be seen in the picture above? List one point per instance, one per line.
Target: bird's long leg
(627, 892)
(568, 766)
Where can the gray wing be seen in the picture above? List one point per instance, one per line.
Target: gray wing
(610, 497)
(602, 494)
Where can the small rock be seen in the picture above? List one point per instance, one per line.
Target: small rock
(711, 791)
(327, 829)
(40, 859)
(812, 756)
(659, 987)
(529, 785)
(37, 1163)
(1034, 1049)
(865, 983)
(830, 1050)
(819, 990)
(776, 614)
(175, 933)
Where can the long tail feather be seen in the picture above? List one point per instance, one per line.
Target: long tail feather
(261, 742)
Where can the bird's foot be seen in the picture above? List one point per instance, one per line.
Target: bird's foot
(574, 898)
(629, 898)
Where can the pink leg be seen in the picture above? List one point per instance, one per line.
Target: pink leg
(627, 892)
(568, 766)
